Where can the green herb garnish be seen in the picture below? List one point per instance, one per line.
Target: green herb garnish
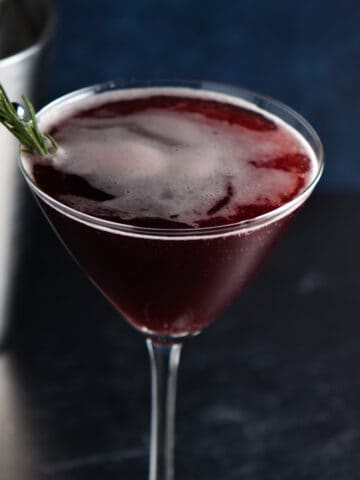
(24, 125)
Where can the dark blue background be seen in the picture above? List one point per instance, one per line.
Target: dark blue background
(306, 54)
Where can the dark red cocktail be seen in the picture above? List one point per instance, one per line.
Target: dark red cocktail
(176, 162)
(170, 198)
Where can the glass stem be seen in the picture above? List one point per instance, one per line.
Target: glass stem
(164, 366)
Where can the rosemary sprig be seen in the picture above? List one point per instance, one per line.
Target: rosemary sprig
(25, 127)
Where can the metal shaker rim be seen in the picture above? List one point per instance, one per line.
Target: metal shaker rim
(43, 37)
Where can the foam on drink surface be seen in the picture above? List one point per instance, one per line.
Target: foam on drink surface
(171, 159)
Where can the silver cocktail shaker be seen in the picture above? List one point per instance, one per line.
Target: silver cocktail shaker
(26, 27)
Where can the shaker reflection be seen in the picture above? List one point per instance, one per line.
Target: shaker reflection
(17, 450)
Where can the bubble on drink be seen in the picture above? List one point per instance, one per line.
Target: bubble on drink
(162, 158)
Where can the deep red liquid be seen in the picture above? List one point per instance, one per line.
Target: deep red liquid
(171, 286)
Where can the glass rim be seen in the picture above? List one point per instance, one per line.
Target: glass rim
(196, 232)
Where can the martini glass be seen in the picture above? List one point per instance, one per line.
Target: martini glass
(172, 283)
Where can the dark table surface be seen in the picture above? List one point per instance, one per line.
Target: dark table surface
(271, 391)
